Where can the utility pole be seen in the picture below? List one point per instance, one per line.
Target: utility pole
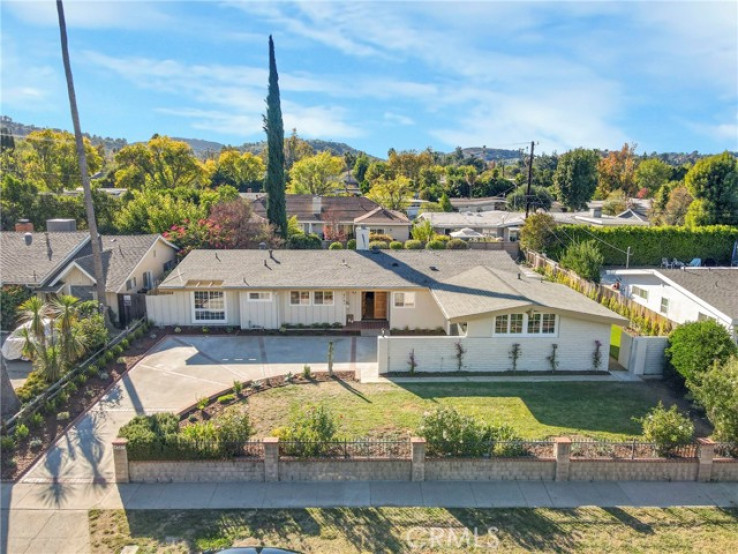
(530, 180)
(627, 258)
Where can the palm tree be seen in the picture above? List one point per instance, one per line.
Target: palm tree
(72, 343)
(82, 160)
(35, 312)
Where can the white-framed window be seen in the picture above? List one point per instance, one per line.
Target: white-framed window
(260, 296)
(664, 305)
(300, 298)
(404, 299)
(641, 293)
(323, 298)
(376, 230)
(525, 324)
(705, 317)
(501, 322)
(131, 284)
(208, 305)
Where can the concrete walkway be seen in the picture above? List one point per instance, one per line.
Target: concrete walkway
(172, 376)
(53, 517)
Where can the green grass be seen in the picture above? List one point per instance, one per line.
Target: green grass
(535, 410)
(398, 530)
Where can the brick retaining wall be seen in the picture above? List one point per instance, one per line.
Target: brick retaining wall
(189, 471)
(345, 470)
(489, 469)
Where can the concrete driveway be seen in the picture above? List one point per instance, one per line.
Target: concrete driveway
(172, 376)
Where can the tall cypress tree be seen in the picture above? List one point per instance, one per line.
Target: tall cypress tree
(274, 182)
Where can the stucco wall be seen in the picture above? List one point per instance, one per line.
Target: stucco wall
(425, 315)
(575, 340)
(154, 261)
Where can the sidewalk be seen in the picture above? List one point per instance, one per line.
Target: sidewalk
(53, 517)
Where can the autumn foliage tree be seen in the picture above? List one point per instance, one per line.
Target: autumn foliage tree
(617, 171)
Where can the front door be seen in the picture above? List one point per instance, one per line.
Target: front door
(380, 305)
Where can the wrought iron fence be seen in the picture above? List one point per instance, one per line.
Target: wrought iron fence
(350, 450)
(491, 449)
(182, 448)
(726, 450)
(629, 450)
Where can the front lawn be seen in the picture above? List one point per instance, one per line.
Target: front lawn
(535, 410)
(396, 530)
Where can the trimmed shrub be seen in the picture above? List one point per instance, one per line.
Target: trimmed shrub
(36, 420)
(694, 347)
(226, 398)
(413, 244)
(351, 244)
(448, 433)
(669, 429)
(7, 444)
(718, 393)
(124, 343)
(21, 432)
(311, 428)
(585, 259)
(35, 444)
(378, 245)
(442, 238)
(436, 245)
(335, 246)
(301, 241)
(457, 244)
(34, 385)
(62, 416)
(380, 237)
(395, 245)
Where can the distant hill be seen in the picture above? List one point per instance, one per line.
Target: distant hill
(336, 148)
(490, 154)
(21, 130)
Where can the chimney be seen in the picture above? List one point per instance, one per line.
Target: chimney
(317, 205)
(362, 238)
(61, 225)
(596, 212)
(23, 226)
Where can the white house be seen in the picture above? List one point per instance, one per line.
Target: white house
(478, 296)
(682, 295)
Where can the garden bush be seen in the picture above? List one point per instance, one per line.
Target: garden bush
(694, 347)
(380, 237)
(36, 420)
(442, 238)
(449, 433)
(378, 245)
(395, 245)
(11, 296)
(668, 429)
(457, 244)
(335, 246)
(35, 384)
(21, 431)
(351, 244)
(62, 416)
(413, 244)
(301, 241)
(718, 393)
(7, 444)
(585, 259)
(226, 398)
(436, 245)
(311, 429)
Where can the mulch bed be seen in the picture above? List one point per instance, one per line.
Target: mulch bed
(79, 402)
(192, 414)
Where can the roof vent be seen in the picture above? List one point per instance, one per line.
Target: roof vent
(395, 264)
(28, 238)
(433, 268)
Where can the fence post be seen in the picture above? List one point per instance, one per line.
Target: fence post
(120, 460)
(418, 458)
(271, 459)
(705, 454)
(562, 453)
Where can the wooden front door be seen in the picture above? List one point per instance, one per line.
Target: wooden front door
(380, 305)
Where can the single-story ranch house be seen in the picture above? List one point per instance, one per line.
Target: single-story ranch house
(687, 294)
(477, 296)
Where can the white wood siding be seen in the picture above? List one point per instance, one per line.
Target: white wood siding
(260, 314)
(306, 315)
(176, 309)
(576, 346)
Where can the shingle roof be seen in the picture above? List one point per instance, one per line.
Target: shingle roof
(382, 215)
(464, 283)
(32, 265)
(121, 254)
(716, 286)
(343, 208)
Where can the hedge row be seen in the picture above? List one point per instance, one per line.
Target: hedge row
(650, 244)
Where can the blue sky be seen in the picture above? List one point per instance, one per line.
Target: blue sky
(386, 74)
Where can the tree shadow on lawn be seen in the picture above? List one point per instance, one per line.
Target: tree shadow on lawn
(589, 406)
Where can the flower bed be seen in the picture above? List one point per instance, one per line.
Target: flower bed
(56, 416)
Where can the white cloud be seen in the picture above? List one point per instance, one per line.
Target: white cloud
(28, 86)
(91, 14)
(398, 119)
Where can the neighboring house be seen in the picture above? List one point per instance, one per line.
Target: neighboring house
(482, 204)
(132, 264)
(342, 214)
(479, 294)
(682, 295)
(35, 259)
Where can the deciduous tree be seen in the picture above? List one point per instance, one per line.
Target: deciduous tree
(393, 194)
(161, 163)
(713, 183)
(575, 178)
(319, 174)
